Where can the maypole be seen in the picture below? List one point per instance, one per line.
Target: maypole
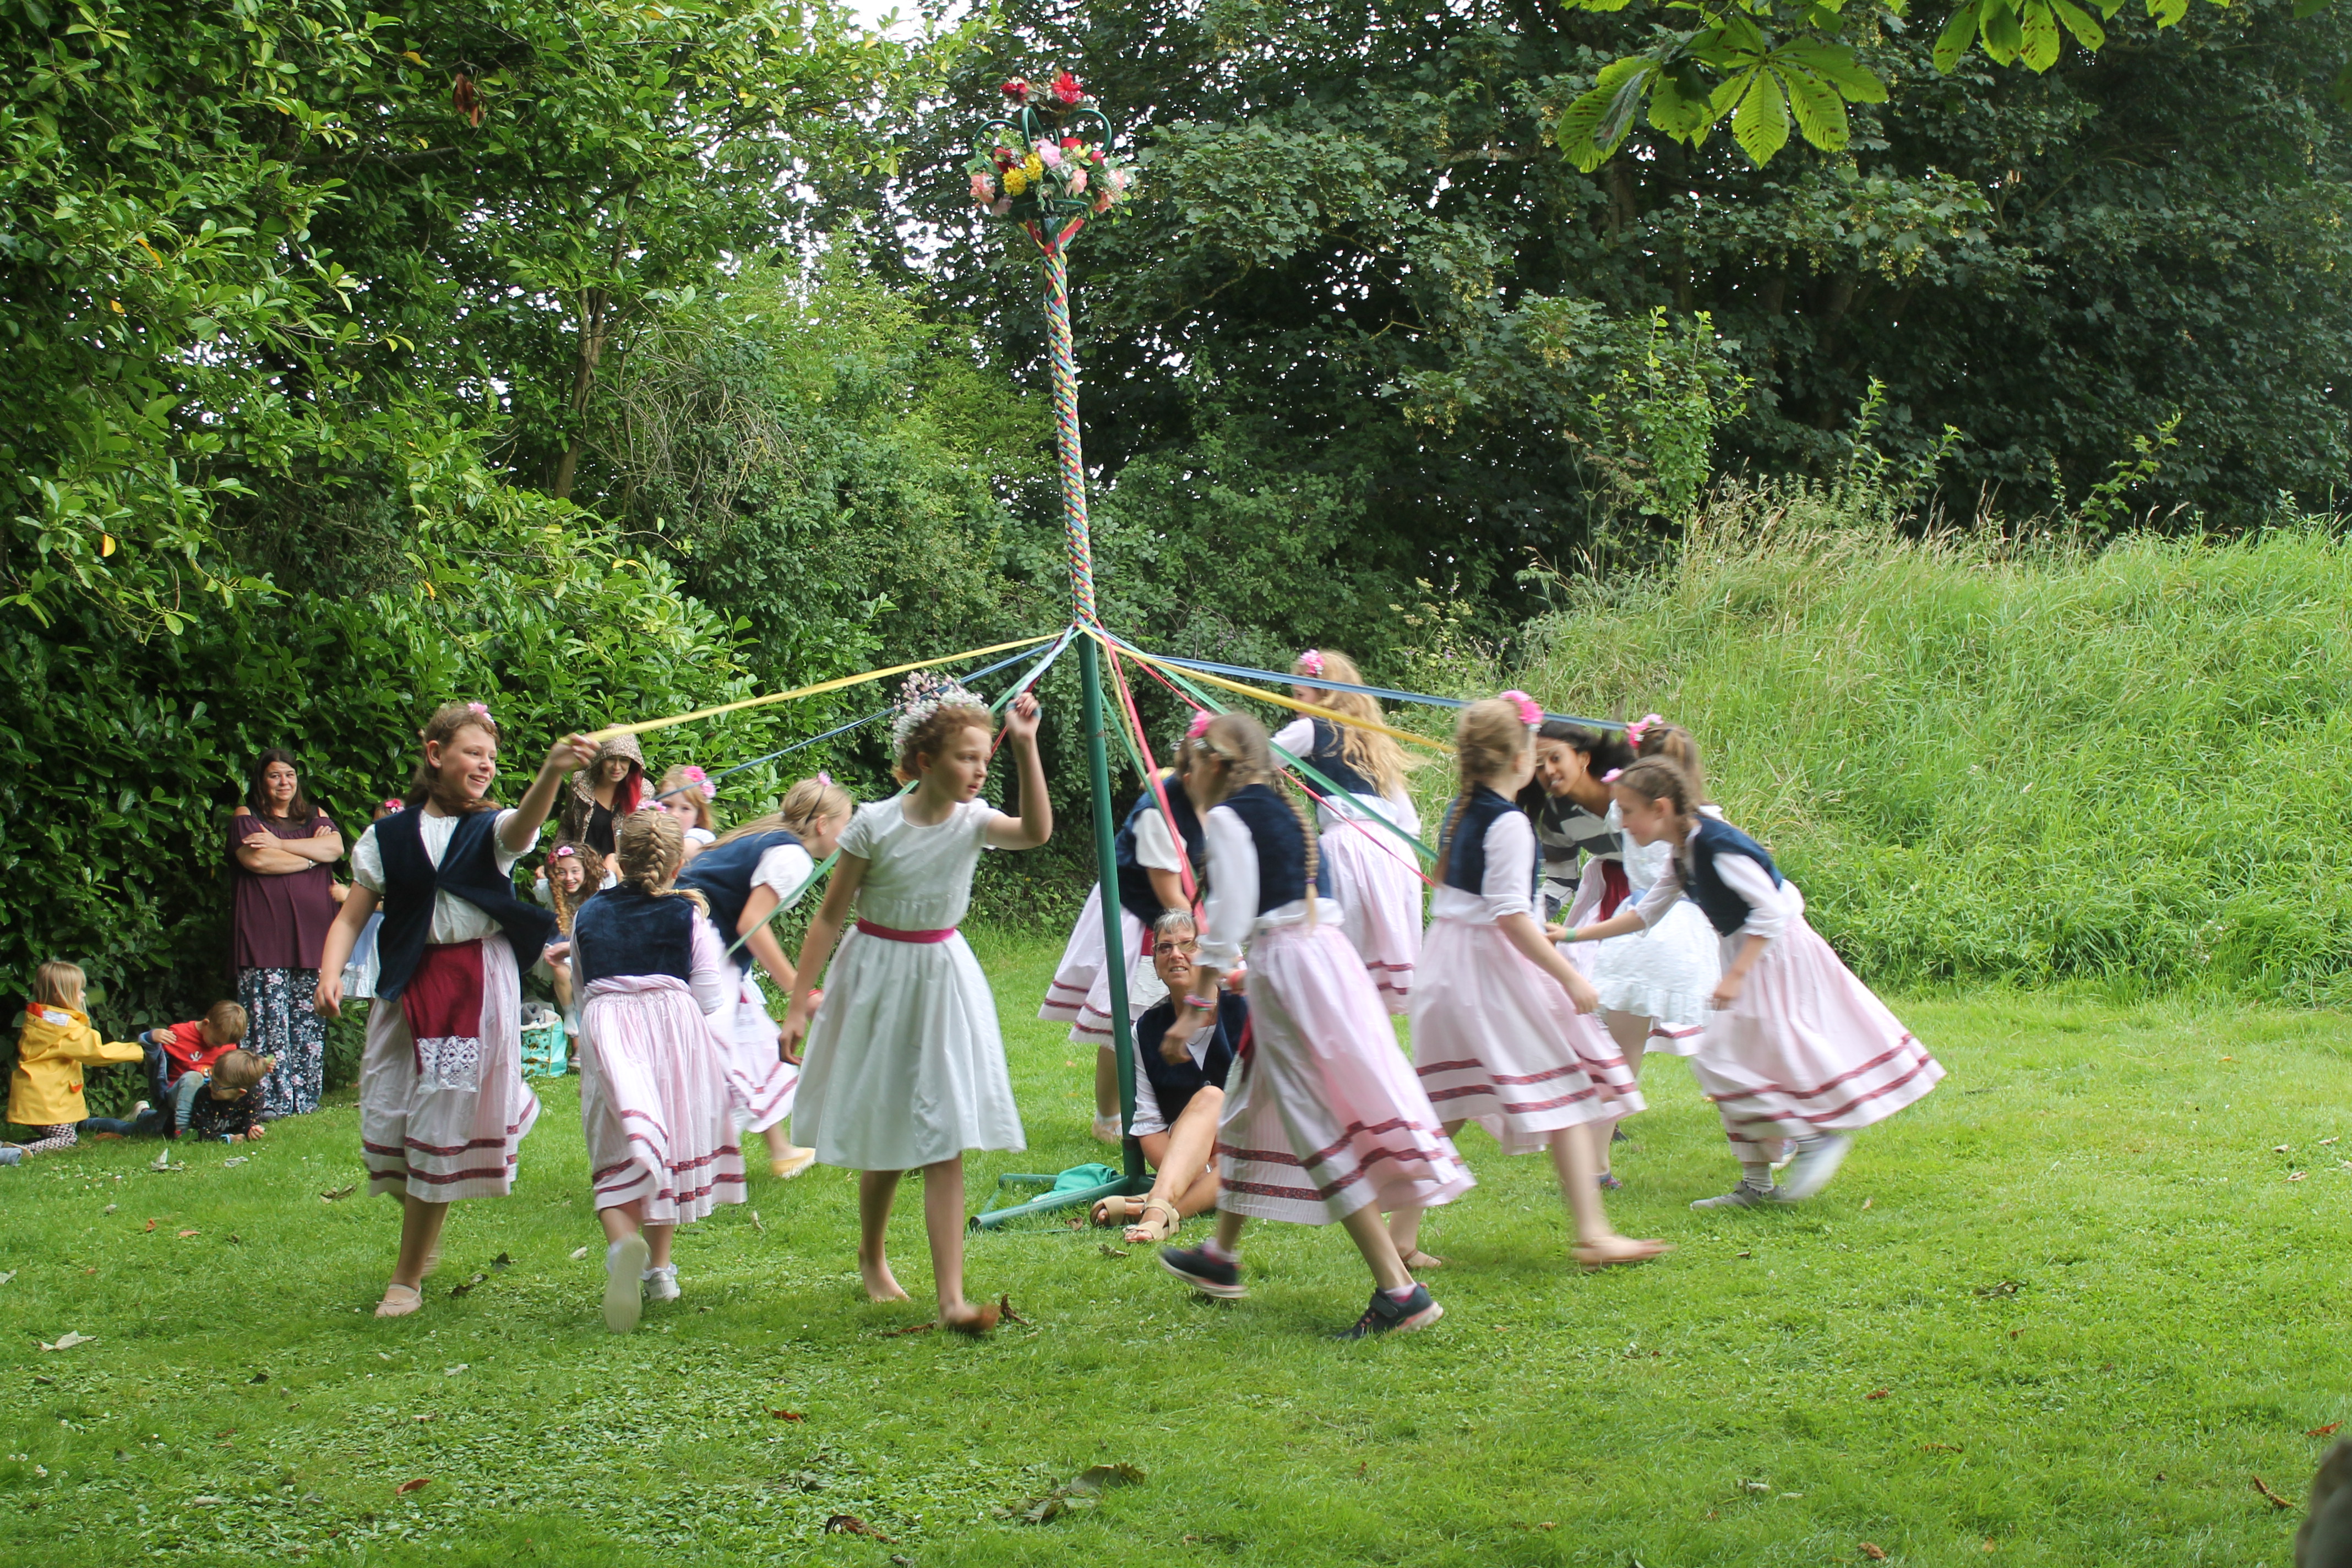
(1047, 165)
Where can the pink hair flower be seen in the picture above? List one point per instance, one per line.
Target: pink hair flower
(824, 778)
(1612, 775)
(1198, 726)
(1311, 662)
(1530, 711)
(393, 803)
(1640, 727)
(695, 775)
(479, 709)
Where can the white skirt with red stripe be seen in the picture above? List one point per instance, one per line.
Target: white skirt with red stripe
(1498, 1042)
(759, 1083)
(655, 1100)
(1807, 1049)
(1323, 1114)
(1144, 990)
(1082, 958)
(1379, 894)
(443, 1108)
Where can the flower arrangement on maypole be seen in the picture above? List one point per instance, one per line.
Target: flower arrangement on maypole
(1048, 157)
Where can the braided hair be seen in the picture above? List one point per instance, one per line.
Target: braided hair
(1240, 743)
(650, 847)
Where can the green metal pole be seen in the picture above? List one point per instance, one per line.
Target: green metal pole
(1116, 957)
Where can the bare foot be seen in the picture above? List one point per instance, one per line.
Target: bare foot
(1417, 1259)
(880, 1284)
(966, 1318)
(1617, 1249)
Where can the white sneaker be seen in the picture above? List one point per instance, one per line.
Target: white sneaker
(661, 1284)
(1817, 1160)
(625, 1292)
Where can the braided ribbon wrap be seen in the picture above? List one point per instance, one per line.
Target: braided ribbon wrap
(1065, 424)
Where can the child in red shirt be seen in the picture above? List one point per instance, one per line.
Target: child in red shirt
(170, 1055)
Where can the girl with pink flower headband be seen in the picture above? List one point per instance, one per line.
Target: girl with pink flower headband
(1375, 880)
(686, 792)
(1502, 1031)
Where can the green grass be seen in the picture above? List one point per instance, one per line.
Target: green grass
(2096, 1303)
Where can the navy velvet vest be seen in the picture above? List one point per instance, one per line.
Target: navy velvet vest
(1175, 1083)
(1332, 762)
(624, 931)
(470, 869)
(1464, 853)
(1135, 892)
(1281, 848)
(722, 875)
(1726, 910)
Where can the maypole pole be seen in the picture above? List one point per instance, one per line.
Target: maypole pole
(1048, 165)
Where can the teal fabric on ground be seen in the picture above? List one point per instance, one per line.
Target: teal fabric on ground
(1081, 1176)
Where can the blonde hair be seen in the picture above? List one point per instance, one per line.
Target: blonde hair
(59, 984)
(804, 805)
(1370, 753)
(1240, 743)
(442, 728)
(240, 1069)
(1487, 739)
(675, 785)
(1672, 743)
(228, 1021)
(650, 847)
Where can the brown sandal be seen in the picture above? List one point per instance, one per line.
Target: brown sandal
(1104, 1219)
(1145, 1230)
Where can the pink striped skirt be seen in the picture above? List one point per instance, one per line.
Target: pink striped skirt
(1323, 1114)
(1380, 905)
(655, 1101)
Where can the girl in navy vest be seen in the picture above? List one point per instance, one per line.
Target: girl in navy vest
(1797, 1047)
(904, 1067)
(1501, 1032)
(1324, 1120)
(1372, 872)
(654, 1093)
(755, 870)
(443, 1105)
(1179, 1090)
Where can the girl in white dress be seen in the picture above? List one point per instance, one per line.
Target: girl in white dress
(442, 1106)
(1323, 1118)
(1373, 873)
(654, 1093)
(756, 869)
(904, 1068)
(1796, 1046)
(1500, 1030)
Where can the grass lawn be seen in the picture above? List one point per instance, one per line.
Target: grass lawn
(2063, 1312)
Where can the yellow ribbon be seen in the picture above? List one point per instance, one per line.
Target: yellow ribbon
(614, 732)
(1297, 707)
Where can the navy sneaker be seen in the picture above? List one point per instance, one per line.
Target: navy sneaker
(1205, 1274)
(1387, 1315)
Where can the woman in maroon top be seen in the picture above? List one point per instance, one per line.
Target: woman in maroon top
(282, 847)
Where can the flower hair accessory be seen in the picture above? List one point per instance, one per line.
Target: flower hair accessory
(923, 694)
(393, 803)
(1530, 711)
(1612, 775)
(564, 851)
(480, 711)
(1640, 727)
(1198, 726)
(697, 777)
(1311, 662)
(824, 778)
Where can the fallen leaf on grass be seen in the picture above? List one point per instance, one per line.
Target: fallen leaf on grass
(163, 1163)
(461, 1290)
(1940, 1448)
(259, 1377)
(1866, 1203)
(47, 1381)
(909, 1328)
(234, 1160)
(1004, 1312)
(185, 1234)
(2226, 1060)
(151, 1224)
(2275, 1500)
(1110, 1251)
(2324, 1142)
(454, 1371)
(5, 1278)
(418, 1485)
(1874, 1551)
(204, 1501)
(2004, 1288)
(110, 1208)
(1990, 1544)
(338, 1193)
(850, 1524)
(1756, 1486)
(1746, 1255)
(435, 1416)
(502, 1261)
(89, 1271)
(579, 1255)
(66, 1340)
(1080, 1491)
(787, 1414)
(2297, 1175)
(2323, 1431)
(1876, 1393)
(2278, 1148)
(759, 1229)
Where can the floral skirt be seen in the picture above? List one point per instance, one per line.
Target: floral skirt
(282, 1024)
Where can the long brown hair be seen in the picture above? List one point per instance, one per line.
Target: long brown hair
(443, 727)
(1673, 743)
(591, 877)
(256, 799)
(1367, 752)
(1240, 743)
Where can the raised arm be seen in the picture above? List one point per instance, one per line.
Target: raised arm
(1035, 826)
(520, 830)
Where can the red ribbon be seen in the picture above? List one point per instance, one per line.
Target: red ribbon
(1614, 888)
(890, 933)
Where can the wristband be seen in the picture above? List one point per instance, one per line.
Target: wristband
(1200, 1002)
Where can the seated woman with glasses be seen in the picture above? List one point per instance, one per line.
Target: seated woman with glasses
(1180, 1091)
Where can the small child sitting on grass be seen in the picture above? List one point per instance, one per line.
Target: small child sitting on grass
(179, 1058)
(44, 1092)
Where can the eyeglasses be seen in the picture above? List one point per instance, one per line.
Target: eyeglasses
(1168, 949)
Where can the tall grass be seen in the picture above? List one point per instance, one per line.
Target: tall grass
(1986, 761)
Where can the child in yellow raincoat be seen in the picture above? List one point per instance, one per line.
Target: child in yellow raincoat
(45, 1091)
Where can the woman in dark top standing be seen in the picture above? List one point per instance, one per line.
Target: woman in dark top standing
(282, 847)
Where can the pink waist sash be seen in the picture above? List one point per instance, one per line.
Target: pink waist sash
(890, 934)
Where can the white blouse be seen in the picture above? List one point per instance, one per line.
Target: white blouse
(1232, 910)
(1297, 738)
(454, 920)
(1769, 908)
(1510, 876)
(787, 869)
